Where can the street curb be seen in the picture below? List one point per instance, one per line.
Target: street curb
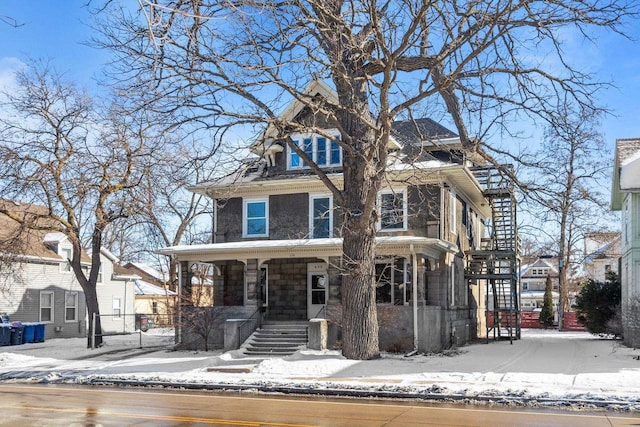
(377, 394)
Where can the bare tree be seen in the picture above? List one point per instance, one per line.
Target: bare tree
(58, 150)
(569, 169)
(232, 64)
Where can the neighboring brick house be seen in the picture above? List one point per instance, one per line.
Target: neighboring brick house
(38, 285)
(625, 197)
(277, 237)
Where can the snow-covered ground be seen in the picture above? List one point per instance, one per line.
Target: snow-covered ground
(545, 367)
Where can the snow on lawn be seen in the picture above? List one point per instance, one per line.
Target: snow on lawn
(543, 365)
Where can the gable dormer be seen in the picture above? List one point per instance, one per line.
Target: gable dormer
(315, 132)
(59, 243)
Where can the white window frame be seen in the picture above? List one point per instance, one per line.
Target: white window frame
(99, 279)
(395, 192)
(51, 307)
(66, 253)
(453, 212)
(312, 198)
(299, 139)
(75, 306)
(114, 308)
(245, 219)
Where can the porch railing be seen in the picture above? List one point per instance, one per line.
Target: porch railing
(249, 326)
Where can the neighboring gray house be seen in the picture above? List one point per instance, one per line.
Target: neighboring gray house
(116, 295)
(625, 197)
(278, 246)
(38, 285)
(36, 281)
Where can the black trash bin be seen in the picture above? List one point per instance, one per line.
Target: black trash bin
(16, 333)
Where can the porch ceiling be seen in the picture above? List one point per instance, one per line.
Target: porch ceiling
(305, 248)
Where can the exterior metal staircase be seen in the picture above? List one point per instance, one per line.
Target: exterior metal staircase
(277, 339)
(497, 261)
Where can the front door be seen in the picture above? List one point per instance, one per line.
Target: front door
(317, 289)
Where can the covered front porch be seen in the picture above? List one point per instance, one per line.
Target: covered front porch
(296, 280)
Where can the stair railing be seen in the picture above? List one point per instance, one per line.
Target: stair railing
(250, 325)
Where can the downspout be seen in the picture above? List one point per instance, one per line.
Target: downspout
(179, 325)
(414, 280)
(214, 226)
(124, 326)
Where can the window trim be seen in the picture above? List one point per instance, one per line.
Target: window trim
(312, 198)
(65, 265)
(75, 307)
(453, 212)
(113, 308)
(405, 208)
(245, 219)
(51, 307)
(299, 140)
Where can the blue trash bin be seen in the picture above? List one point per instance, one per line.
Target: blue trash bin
(16, 333)
(29, 332)
(5, 334)
(40, 331)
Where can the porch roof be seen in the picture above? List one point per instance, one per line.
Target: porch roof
(306, 248)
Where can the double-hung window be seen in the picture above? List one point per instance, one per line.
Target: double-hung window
(255, 218)
(393, 210)
(117, 308)
(325, 152)
(70, 306)
(46, 306)
(320, 216)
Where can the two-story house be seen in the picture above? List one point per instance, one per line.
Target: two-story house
(601, 255)
(533, 278)
(37, 283)
(277, 243)
(625, 197)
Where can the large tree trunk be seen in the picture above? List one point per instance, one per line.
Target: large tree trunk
(91, 298)
(362, 179)
(360, 320)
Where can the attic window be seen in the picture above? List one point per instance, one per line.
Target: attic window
(66, 254)
(324, 152)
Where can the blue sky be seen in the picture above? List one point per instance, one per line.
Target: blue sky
(58, 30)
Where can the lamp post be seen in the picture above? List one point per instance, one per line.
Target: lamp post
(560, 289)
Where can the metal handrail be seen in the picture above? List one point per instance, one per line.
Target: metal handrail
(248, 327)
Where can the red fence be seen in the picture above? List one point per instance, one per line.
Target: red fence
(530, 319)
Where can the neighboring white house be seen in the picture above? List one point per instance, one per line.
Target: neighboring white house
(116, 295)
(625, 197)
(602, 254)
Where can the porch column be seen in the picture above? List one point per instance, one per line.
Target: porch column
(422, 280)
(251, 282)
(218, 285)
(186, 298)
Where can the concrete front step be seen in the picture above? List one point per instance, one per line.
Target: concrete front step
(277, 339)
